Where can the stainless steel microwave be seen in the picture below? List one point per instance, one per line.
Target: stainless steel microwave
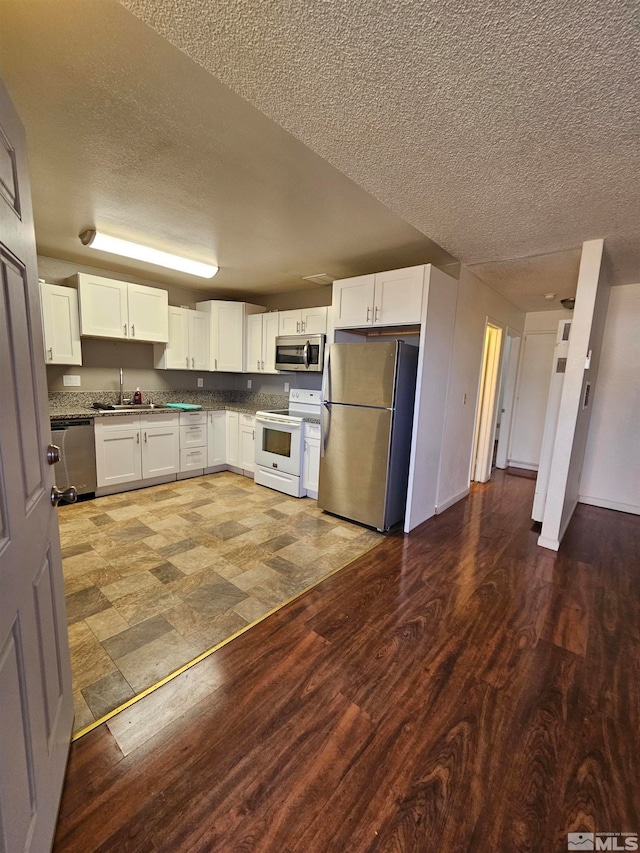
(300, 352)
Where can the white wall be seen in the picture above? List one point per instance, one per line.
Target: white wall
(476, 302)
(611, 469)
(587, 329)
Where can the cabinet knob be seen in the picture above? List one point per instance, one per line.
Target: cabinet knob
(50, 351)
(368, 313)
(133, 331)
(375, 314)
(193, 362)
(186, 361)
(125, 330)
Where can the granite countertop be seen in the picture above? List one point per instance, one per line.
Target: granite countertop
(59, 414)
(65, 405)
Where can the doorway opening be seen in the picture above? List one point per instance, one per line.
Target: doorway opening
(486, 415)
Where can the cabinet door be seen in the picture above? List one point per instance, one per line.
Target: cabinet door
(60, 324)
(398, 296)
(233, 444)
(199, 324)
(118, 456)
(270, 331)
(230, 334)
(103, 307)
(176, 350)
(148, 313)
(353, 301)
(217, 439)
(247, 446)
(314, 320)
(254, 343)
(160, 451)
(290, 322)
(311, 465)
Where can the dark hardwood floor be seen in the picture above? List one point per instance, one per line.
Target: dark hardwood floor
(460, 689)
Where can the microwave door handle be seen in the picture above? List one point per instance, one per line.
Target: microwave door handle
(305, 354)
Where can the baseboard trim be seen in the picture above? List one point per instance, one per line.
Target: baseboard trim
(451, 501)
(605, 504)
(545, 542)
(528, 466)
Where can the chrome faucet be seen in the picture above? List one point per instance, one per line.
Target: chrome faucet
(121, 387)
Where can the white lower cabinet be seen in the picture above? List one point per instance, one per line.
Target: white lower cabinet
(247, 441)
(217, 439)
(193, 441)
(133, 447)
(240, 441)
(160, 446)
(311, 459)
(233, 439)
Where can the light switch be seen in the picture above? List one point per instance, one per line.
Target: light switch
(200, 382)
(286, 387)
(70, 379)
(249, 383)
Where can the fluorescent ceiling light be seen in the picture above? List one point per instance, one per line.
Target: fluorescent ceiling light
(104, 243)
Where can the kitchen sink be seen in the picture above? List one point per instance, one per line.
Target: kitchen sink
(126, 407)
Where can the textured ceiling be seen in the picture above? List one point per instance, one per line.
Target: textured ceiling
(501, 131)
(126, 133)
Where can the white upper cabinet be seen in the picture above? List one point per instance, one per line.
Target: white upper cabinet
(148, 313)
(199, 323)
(60, 324)
(384, 299)
(227, 333)
(188, 344)
(262, 331)
(303, 321)
(119, 309)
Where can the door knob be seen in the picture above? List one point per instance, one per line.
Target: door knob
(53, 454)
(69, 495)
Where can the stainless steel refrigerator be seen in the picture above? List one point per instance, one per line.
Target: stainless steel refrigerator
(367, 418)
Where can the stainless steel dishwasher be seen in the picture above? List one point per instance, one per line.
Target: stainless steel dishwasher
(77, 466)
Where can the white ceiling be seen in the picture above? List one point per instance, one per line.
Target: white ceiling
(502, 131)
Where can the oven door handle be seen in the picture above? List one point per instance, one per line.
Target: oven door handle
(306, 353)
(279, 422)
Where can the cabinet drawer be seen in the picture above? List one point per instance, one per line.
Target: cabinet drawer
(248, 420)
(187, 418)
(311, 430)
(116, 423)
(193, 436)
(193, 458)
(165, 419)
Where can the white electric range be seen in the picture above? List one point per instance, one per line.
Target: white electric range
(279, 443)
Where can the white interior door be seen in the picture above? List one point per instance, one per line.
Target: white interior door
(36, 707)
(487, 404)
(531, 399)
(510, 372)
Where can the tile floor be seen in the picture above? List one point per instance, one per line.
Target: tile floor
(155, 577)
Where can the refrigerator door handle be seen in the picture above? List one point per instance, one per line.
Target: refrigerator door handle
(325, 430)
(325, 376)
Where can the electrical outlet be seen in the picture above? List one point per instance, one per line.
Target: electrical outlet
(286, 387)
(249, 383)
(200, 382)
(70, 379)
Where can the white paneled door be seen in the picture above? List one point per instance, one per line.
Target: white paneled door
(36, 707)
